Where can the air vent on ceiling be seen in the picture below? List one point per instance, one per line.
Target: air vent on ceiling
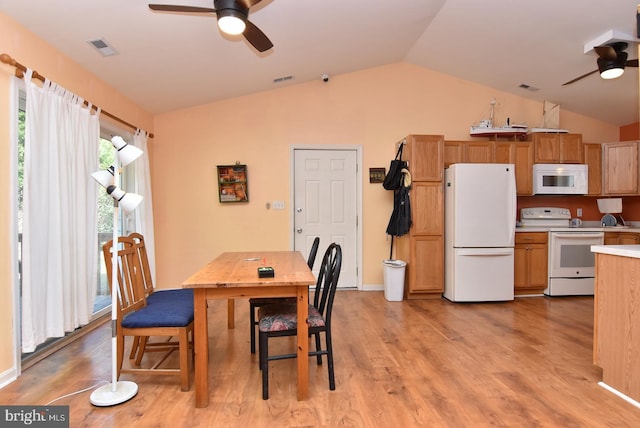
(103, 47)
(282, 79)
(528, 87)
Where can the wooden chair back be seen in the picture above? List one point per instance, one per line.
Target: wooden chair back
(147, 280)
(131, 296)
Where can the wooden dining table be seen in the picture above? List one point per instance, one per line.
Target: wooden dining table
(234, 275)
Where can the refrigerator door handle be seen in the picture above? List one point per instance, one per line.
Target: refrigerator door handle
(485, 252)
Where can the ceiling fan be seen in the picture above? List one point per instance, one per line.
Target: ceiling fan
(233, 18)
(611, 61)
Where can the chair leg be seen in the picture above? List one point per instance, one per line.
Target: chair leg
(142, 346)
(332, 379)
(252, 326)
(264, 364)
(184, 359)
(318, 348)
(134, 347)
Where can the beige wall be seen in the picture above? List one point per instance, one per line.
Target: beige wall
(372, 108)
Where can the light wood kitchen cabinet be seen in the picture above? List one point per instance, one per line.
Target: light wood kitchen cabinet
(468, 152)
(479, 152)
(424, 153)
(558, 148)
(453, 152)
(521, 155)
(530, 263)
(621, 238)
(428, 216)
(423, 247)
(620, 168)
(616, 325)
(593, 159)
(424, 277)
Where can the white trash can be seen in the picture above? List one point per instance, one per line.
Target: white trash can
(394, 279)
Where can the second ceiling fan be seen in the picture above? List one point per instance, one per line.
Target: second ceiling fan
(612, 59)
(233, 18)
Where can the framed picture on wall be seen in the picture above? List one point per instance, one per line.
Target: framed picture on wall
(232, 183)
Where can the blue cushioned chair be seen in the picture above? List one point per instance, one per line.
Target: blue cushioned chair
(255, 303)
(278, 320)
(181, 296)
(138, 319)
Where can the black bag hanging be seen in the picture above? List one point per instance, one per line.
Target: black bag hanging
(400, 221)
(393, 179)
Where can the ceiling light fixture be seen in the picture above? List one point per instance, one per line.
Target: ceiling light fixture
(231, 21)
(611, 69)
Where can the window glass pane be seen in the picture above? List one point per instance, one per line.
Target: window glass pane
(105, 228)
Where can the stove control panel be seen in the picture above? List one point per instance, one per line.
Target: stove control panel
(545, 213)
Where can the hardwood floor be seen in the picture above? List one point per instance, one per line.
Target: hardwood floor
(526, 363)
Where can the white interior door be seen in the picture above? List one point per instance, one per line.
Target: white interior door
(325, 205)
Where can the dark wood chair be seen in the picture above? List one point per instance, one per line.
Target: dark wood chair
(255, 303)
(138, 319)
(280, 319)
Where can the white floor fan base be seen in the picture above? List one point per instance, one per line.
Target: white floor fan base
(106, 396)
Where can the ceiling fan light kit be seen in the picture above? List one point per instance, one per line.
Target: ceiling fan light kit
(612, 68)
(230, 23)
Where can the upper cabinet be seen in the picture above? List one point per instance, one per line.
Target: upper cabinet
(424, 154)
(468, 152)
(593, 159)
(620, 168)
(558, 148)
(520, 154)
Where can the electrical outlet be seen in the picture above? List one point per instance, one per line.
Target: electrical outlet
(579, 212)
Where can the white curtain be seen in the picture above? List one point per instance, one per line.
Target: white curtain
(144, 217)
(59, 260)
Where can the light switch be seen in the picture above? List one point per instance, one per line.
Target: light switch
(278, 205)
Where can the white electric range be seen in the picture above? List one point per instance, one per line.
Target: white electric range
(571, 264)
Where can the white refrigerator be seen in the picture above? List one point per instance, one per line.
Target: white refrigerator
(480, 222)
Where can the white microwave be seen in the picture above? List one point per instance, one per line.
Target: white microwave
(560, 179)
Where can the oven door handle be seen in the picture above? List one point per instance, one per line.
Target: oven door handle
(577, 235)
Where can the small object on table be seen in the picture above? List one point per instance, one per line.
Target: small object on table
(266, 272)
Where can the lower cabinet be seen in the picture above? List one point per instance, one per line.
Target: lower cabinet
(424, 277)
(531, 263)
(621, 238)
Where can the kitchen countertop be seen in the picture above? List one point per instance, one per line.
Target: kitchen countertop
(618, 250)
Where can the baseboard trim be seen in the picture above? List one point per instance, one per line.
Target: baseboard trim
(8, 376)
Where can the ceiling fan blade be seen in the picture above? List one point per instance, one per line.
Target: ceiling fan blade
(632, 63)
(606, 52)
(257, 38)
(249, 3)
(578, 78)
(183, 9)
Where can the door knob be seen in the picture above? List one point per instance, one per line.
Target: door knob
(299, 230)
(299, 210)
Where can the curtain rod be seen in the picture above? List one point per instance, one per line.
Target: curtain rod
(21, 69)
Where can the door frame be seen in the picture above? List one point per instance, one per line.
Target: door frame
(345, 147)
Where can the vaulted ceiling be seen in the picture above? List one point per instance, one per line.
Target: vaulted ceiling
(171, 61)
